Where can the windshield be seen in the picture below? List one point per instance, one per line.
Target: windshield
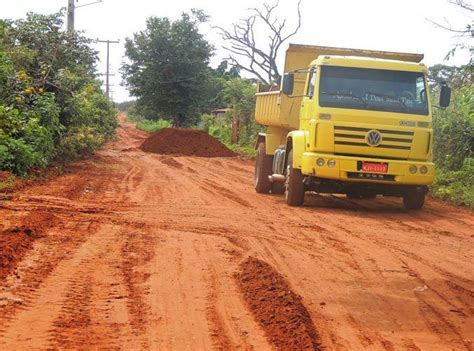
(373, 89)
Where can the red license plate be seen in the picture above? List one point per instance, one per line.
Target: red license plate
(374, 167)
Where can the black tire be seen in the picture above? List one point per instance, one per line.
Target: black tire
(294, 184)
(263, 168)
(414, 200)
(278, 188)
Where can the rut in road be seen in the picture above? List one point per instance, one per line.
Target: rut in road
(147, 251)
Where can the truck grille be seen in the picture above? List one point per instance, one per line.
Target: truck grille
(355, 136)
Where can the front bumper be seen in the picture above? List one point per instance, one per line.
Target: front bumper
(346, 169)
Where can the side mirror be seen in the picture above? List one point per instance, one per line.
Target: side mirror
(445, 95)
(288, 83)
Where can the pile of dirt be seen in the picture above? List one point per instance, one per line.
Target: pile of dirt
(185, 142)
(280, 312)
(16, 241)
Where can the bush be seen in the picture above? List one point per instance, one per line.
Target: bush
(453, 130)
(453, 149)
(51, 104)
(456, 186)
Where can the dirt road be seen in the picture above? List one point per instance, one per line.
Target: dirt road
(130, 250)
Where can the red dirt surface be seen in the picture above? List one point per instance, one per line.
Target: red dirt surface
(151, 252)
(185, 142)
(16, 241)
(276, 307)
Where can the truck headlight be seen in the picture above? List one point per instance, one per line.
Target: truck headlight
(423, 169)
(320, 162)
(331, 163)
(413, 169)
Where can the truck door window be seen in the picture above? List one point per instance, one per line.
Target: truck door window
(420, 90)
(311, 83)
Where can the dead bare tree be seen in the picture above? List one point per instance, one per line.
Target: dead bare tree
(259, 59)
(460, 32)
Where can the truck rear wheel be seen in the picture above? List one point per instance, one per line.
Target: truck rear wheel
(263, 169)
(414, 200)
(294, 184)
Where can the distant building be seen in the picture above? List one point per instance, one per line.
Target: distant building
(220, 112)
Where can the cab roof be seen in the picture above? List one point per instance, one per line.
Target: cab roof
(369, 62)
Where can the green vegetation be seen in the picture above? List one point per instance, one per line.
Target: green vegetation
(144, 124)
(51, 104)
(237, 129)
(454, 141)
(153, 126)
(170, 82)
(8, 183)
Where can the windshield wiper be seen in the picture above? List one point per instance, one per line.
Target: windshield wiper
(389, 97)
(347, 95)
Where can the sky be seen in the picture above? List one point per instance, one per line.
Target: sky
(391, 25)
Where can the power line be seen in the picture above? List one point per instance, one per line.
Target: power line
(107, 71)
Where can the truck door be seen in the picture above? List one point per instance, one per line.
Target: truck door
(308, 106)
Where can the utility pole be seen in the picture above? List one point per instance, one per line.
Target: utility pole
(107, 70)
(71, 7)
(70, 15)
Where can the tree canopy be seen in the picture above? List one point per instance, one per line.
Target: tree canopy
(51, 104)
(167, 68)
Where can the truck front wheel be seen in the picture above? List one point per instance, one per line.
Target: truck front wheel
(263, 168)
(414, 200)
(294, 184)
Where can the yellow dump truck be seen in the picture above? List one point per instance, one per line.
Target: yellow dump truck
(347, 121)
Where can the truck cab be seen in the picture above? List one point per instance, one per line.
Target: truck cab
(358, 125)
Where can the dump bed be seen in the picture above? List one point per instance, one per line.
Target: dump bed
(276, 109)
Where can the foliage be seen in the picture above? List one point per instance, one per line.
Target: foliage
(214, 89)
(456, 186)
(125, 105)
(239, 95)
(51, 105)
(153, 126)
(453, 130)
(220, 129)
(168, 68)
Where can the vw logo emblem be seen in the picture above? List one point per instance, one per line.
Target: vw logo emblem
(374, 138)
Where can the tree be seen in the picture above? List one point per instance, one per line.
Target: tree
(463, 34)
(168, 67)
(259, 59)
(214, 90)
(240, 96)
(51, 104)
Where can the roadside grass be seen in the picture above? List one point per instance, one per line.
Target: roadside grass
(147, 125)
(247, 151)
(152, 126)
(7, 184)
(456, 186)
